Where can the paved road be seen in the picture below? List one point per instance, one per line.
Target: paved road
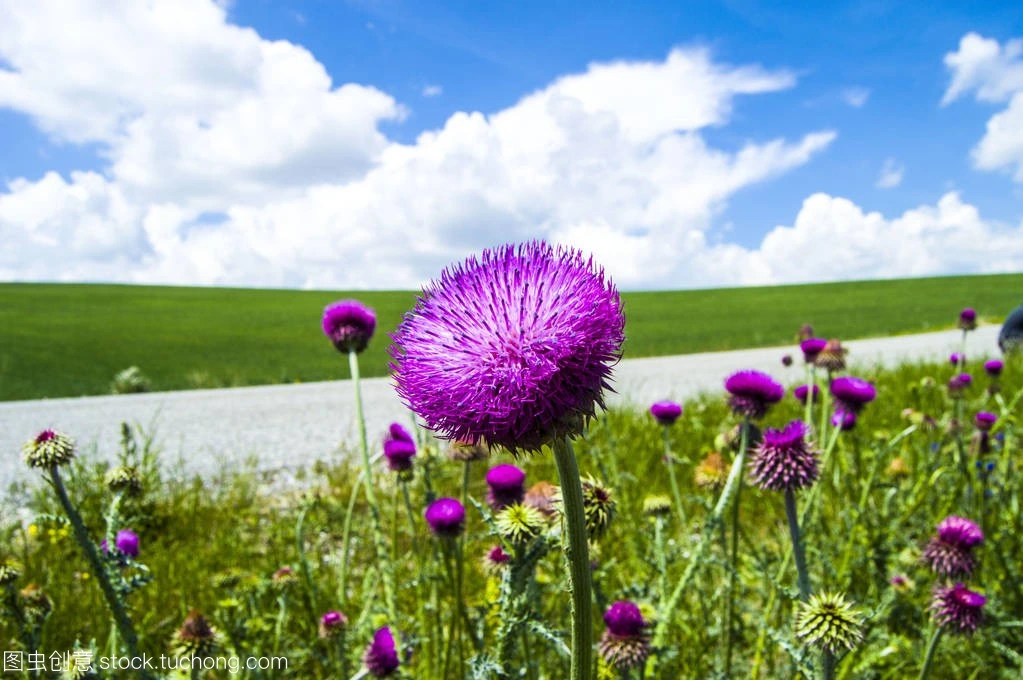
(287, 426)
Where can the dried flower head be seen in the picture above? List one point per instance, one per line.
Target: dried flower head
(968, 319)
(711, 472)
(625, 643)
(49, 449)
(519, 524)
(852, 394)
(657, 505)
(541, 496)
(784, 460)
(196, 637)
(446, 517)
(831, 357)
(666, 412)
(505, 485)
(811, 347)
(124, 479)
(829, 622)
(332, 624)
(381, 656)
(349, 324)
(752, 393)
(957, 608)
(950, 552)
(515, 347)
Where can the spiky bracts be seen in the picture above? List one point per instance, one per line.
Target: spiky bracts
(49, 448)
(829, 622)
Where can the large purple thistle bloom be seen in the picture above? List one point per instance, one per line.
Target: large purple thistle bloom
(514, 347)
(784, 460)
(752, 393)
(957, 608)
(399, 448)
(349, 324)
(852, 394)
(381, 657)
(950, 552)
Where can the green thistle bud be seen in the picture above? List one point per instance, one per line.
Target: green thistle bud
(656, 506)
(9, 572)
(49, 448)
(598, 506)
(827, 621)
(284, 578)
(519, 524)
(124, 479)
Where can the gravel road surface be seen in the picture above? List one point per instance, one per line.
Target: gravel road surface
(288, 426)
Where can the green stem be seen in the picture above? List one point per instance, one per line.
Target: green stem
(803, 575)
(733, 557)
(577, 555)
(312, 596)
(811, 382)
(925, 671)
(827, 665)
(676, 494)
(346, 542)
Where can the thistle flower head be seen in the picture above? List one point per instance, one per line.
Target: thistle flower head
(467, 452)
(495, 559)
(598, 506)
(802, 391)
(124, 479)
(786, 360)
(852, 394)
(349, 324)
(49, 448)
(844, 420)
(950, 552)
(957, 384)
(381, 656)
(993, 367)
(711, 472)
(784, 460)
(284, 578)
(957, 608)
(127, 541)
(656, 506)
(901, 583)
(446, 517)
(985, 420)
(956, 358)
(625, 643)
(968, 319)
(811, 347)
(829, 622)
(831, 357)
(732, 439)
(505, 485)
(666, 412)
(515, 347)
(519, 524)
(752, 393)
(541, 496)
(332, 623)
(399, 448)
(9, 572)
(196, 637)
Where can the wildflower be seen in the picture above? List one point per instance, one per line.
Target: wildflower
(196, 637)
(505, 485)
(446, 517)
(993, 367)
(805, 332)
(284, 578)
(950, 552)
(495, 559)
(711, 472)
(802, 391)
(127, 541)
(332, 624)
(844, 420)
(811, 347)
(599, 507)
(784, 460)
(985, 420)
(625, 643)
(541, 497)
(901, 583)
(349, 324)
(666, 412)
(829, 622)
(956, 358)
(515, 347)
(852, 394)
(752, 393)
(732, 440)
(399, 448)
(467, 452)
(519, 524)
(124, 479)
(1010, 338)
(786, 360)
(381, 656)
(957, 608)
(968, 319)
(9, 573)
(832, 357)
(656, 506)
(958, 384)
(49, 449)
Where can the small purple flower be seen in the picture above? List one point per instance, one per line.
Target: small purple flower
(349, 324)
(446, 517)
(496, 556)
(844, 420)
(786, 360)
(985, 420)
(957, 384)
(399, 448)
(752, 393)
(381, 657)
(801, 391)
(950, 552)
(784, 460)
(332, 623)
(811, 347)
(666, 412)
(625, 643)
(624, 618)
(956, 358)
(127, 541)
(852, 394)
(514, 348)
(968, 319)
(957, 608)
(506, 486)
(993, 367)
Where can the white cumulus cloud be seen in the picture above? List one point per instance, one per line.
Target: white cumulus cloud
(891, 174)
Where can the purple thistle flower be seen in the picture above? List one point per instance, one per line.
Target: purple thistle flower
(381, 657)
(332, 623)
(994, 367)
(985, 420)
(968, 319)
(801, 391)
(811, 347)
(127, 541)
(784, 460)
(950, 552)
(666, 412)
(625, 643)
(624, 618)
(852, 394)
(496, 556)
(752, 393)
(349, 324)
(446, 517)
(506, 485)
(955, 358)
(957, 384)
(786, 360)
(399, 448)
(845, 420)
(514, 348)
(957, 608)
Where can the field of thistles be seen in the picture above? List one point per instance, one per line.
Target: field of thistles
(866, 527)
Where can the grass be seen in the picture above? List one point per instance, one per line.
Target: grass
(60, 340)
(214, 546)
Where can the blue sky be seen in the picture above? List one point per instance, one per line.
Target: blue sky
(872, 74)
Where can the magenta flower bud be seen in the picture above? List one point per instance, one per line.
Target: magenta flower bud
(950, 552)
(985, 420)
(399, 448)
(955, 358)
(957, 608)
(506, 486)
(993, 367)
(811, 347)
(127, 541)
(852, 394)
(845, 420)
(666, 412)
(968, 319)
(381, 657)
(784, 459)
(446, 517)
(958, 384)
(801, 391)
(752, 393)
(332, 623)
(625, 644)
(349, 324)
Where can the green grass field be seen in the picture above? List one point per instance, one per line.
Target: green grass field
(68, 340)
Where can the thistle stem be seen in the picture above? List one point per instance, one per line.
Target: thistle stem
(676, 494)
(811, 382)
(925, 671)
(733, 556)
(577, 555)
(798, 549)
